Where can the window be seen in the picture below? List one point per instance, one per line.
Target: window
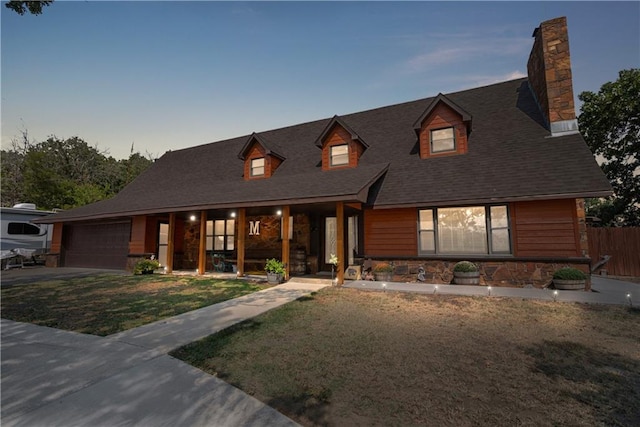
(442, 140)
(23, 228)
(220, 235)
(257, 167)
(339, 155)
(465, 230)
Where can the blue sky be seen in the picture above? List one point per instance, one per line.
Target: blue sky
(169, 75)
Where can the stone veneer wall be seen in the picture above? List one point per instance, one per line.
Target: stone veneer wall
(495, 273)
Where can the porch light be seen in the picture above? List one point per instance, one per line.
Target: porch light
(233, 214)
(192, 217)
(279, 212)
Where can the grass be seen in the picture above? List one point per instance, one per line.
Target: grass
(106, 304)
(349, 357)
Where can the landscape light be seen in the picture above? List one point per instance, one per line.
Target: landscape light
(435, 289)
(384, 286)
(555, 295)
(489, 290)
(629, 299)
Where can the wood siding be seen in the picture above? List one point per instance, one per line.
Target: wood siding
(545, 228)
(622, 244)
(138, 235)
(441, 117)
(391, 232)
(339, 136)
(56, 238)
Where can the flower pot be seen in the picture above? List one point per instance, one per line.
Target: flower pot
(569, 285)
(274, 278)
(384, 276)
(466, 278)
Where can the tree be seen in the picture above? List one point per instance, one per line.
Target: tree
(21, 7)
(610, 123)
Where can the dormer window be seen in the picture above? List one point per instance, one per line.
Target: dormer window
(443, 140)
(339, 155)
(257, 166)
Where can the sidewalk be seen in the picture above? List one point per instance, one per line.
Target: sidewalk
(58, 378)
(605, 291)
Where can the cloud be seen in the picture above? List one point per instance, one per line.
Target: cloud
(464, 51)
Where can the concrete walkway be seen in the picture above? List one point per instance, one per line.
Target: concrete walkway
(58, 378)
(605, 291)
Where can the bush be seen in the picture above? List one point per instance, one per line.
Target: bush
(383, 267)
(465, 267)
(274, 266)
(146, 266)
(569, 273)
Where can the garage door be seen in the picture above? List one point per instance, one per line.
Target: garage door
(97, 245)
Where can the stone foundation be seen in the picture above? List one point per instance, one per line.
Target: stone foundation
(517, 274)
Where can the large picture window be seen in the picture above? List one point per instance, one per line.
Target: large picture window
(220, 235)
(465, 230)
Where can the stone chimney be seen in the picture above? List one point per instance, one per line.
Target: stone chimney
(549, 71)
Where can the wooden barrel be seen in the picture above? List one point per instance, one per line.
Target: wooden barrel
(298, 262)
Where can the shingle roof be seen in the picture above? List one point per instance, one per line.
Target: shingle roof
(510, 157)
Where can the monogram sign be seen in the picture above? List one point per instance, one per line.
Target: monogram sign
(254, 228)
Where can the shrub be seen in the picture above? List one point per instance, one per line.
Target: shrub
(145, 266)
(274, 266)
(383, 267)
(569, 273)
(465, 267)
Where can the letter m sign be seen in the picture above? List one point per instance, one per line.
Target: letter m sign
(254, 228)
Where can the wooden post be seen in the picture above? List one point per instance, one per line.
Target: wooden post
(285, 241)
(202, 250)
(242, 219)
(340, 241)
(170, 244)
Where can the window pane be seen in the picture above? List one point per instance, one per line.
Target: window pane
(230, 226)
(499, 217)
(442, 140)
(426, 219)
(339, 155)
(230, 243)
(209, 243)
(219, 227)
(163, 235)
(427, 241)
(500, 241)
(218, 243)
(209, 228)
(257, 167)
(462, 230)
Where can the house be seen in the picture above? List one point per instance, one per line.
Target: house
(495, 175)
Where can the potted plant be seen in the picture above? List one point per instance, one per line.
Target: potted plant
(569, 278)
(333, 260)
(146, 266)
(383, 272)
(466, 273)
(275, 271)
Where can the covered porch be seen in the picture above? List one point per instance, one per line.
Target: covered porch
(237, 241)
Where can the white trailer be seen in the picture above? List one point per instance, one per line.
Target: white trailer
(20, 238)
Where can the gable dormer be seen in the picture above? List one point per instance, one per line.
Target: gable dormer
(260, 158)
(341, 146)
(443, 129)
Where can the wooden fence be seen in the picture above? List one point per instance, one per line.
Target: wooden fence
(622, 244)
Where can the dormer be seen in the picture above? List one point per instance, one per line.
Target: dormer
(341, 146)
(260, 158)
(443, 128)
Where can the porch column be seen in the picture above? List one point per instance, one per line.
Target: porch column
(242, 219)
(202, 249)
(340, 241)
(170, 244)
(285, 241)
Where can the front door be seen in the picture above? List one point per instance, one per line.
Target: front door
(331, 239)
(163, 242)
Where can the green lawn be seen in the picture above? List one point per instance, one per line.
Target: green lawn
(106, 304)
(349, 357)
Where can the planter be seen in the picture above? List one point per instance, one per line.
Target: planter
(466, 278)
(569, 285)
(274, 278)
(383, 276)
